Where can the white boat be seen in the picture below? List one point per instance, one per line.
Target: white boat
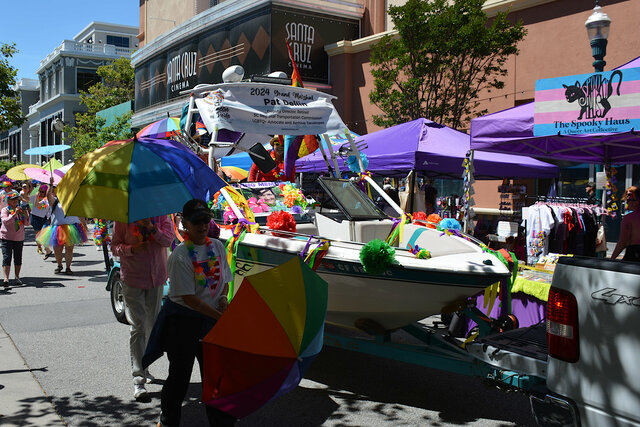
(406, 292)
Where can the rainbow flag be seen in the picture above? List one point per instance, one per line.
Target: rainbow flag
(297, 146)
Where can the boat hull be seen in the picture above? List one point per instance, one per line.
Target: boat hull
(400, 296)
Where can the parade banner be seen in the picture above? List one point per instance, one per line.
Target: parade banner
(269, 109)
(606, 102)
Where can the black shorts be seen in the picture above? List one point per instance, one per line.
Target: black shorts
(9, 248)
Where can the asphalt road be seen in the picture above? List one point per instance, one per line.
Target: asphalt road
(64, 328)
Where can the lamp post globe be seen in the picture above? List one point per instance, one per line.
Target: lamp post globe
(15, 159)
(598, 31)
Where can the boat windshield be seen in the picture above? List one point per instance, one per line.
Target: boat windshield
(350, 200)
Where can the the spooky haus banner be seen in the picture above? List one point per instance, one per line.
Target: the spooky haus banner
(255, 40)
(595, 103)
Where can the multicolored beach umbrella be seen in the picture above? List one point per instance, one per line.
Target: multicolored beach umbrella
(161, 129)
(135, 179)
(266, 339)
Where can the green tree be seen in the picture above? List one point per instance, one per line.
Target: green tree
(117, 86)
(10, 107)
(444, 54)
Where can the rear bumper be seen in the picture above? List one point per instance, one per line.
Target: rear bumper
(554, 410)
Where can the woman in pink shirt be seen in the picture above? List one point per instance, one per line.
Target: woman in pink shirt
(12, 234)
(142, 248)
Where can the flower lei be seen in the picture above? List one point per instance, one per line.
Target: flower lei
(19, 219)
(42, 202)
(141, 232)
(206, 274)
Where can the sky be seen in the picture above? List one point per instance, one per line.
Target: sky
(37, 27)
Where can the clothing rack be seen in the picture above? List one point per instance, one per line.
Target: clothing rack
(560, 199)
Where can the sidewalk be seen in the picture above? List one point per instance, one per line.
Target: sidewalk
(22, 400)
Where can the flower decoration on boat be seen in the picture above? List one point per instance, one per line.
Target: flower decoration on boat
(433, 220)
(293, 196)
(449, 224)
(258, 205)
(281, 220)
(419, 252)
(419, 216)
(377, 256)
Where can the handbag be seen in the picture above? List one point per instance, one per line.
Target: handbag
(601, 239)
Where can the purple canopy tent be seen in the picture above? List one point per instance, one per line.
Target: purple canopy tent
(433, 150)
(511, 131)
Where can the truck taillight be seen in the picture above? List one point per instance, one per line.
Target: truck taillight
(562, 325)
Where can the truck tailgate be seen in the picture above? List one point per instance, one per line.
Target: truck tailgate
(605, 381)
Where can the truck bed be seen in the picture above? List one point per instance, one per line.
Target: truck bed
(530, 342)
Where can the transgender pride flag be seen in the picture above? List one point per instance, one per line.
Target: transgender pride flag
(595, 103)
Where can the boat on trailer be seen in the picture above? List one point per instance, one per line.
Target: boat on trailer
(408, 290)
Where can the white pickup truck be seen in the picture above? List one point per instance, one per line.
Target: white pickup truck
(593, 336)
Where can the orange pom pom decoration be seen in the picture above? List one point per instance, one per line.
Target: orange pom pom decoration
(281, 220)
(433, 220)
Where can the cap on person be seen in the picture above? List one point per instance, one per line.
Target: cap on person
(591, 184)
(196, 209)
(13, 194)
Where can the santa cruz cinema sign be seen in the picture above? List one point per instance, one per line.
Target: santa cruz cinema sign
(256, 40)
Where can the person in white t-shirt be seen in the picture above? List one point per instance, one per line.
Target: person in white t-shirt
(199, 277)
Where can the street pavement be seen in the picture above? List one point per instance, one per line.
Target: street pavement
(64, 361)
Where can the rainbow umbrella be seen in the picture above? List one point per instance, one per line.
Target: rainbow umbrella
(234, 172)
(265, 340)
(161, 129)
(135, 179)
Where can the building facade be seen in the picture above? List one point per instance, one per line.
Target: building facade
(12, 142)
(69, 69)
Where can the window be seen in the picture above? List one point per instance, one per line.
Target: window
(86, 78)
(58, 81)
(118, 41)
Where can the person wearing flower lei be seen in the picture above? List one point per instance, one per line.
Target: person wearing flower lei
(14, 220)
(277, 174)
(39, 215)
(198, 284)
(142, 248)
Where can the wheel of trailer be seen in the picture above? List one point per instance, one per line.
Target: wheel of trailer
(117, 297)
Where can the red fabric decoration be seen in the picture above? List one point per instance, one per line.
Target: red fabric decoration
(281, 220)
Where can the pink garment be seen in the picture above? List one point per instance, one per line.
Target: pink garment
(8, 229)
(148, 269)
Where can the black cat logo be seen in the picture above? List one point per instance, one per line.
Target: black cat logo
(593, 95)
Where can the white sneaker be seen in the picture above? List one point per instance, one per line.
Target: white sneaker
(139, 392)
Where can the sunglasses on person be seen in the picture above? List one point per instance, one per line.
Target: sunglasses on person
(201, 221)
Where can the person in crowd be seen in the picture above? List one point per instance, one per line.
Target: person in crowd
(63, 233)
(630, 227)
(27, 188)
(430, 196)
(14, 219)
(591, 193)
(39, 215)
(199, 277)
(277, 154)
(142, 248)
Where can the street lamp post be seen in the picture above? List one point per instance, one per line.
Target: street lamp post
(598, 31)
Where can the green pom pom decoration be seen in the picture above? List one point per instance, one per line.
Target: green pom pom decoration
(376, 256)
